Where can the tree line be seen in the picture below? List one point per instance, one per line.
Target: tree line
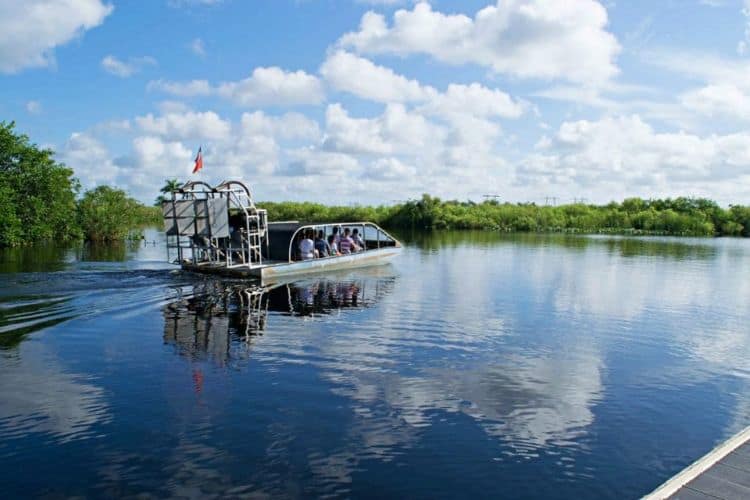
(41, 200)
(672, 216)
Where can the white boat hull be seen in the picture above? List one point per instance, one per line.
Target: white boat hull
(274, 271)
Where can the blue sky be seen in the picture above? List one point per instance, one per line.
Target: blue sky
(355, 101)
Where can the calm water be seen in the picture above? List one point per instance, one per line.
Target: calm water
(475, 365)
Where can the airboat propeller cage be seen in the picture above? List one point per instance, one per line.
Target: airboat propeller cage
(215, 224)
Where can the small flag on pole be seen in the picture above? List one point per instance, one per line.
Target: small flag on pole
(198, 160)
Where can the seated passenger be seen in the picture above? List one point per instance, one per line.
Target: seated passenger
(307, 246)
(321, 245)
(358, 239)
(334, 246)
(347, 245)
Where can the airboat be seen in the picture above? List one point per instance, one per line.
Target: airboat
(219, 230)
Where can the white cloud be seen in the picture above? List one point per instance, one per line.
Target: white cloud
(367, 80)
(154, 152)
(475, 100)
(154, 159)
(274, 86)
(265, 87)
(30, 30)
(395, 131)
(361, 77)
(196, 126)
(164, 145)
(115, 66)
(398, 151)
(287, 126)
(181, 89)
(717, 100)
(618, 156)
(42, 396)
(390, 169)
(198, 47)
(313, 162)
(34, 107)
(523, 38)
(725, 88)
(90, 160)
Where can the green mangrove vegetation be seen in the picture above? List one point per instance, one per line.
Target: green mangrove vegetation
(106, 213)
(678, 216)
(40, 199)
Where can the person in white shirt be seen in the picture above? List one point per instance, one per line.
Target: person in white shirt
(358, 240)
(307, 246)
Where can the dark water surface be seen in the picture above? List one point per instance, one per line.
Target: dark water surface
(476, 365)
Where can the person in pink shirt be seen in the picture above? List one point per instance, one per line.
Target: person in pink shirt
(347, 245)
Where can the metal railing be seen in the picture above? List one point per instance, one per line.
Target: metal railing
(316, 227)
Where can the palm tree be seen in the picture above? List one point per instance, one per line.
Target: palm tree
(169, 186)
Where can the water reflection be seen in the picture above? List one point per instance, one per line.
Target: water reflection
(114, 251)
(20, 316)
(51, 257)
(39, 396)
(33, 259)
(217, 320)
(544, 365)
(666, 247)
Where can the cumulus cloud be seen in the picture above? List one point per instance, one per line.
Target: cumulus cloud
(395, 131)
(164, 144)
(265, 87)
(476, 100)
(30, 30)
(314, 162)
(522, 38)
(363, 78)
(390, 169)
(186, 125)
(123, 69)
(156, 153)
(626, 154)
(724, 88)
(90, 159)
(287, 126)
(717, 100)
(274, 86)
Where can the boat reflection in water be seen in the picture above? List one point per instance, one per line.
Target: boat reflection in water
(219, 319)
